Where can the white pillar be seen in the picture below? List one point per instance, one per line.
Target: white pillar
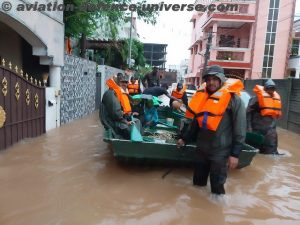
(297, 73)
(213, 53)
(214, 39)
(55, 76)
(247, 74)
(55, 82)
(251, 39)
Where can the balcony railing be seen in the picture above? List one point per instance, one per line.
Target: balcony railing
(230, 41)
(231, 56)
(295, 51)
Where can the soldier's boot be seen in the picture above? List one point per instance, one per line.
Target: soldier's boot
(218, 189)
(271, 143)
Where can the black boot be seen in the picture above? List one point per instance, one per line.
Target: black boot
(218, 190)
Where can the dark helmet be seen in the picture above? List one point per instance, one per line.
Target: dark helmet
(217, 71)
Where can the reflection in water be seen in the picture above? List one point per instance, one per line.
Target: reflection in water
(69, 176)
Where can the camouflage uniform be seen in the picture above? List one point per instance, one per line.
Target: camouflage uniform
(115, 115)
(114, 112)
(214, 148)
(265, 125)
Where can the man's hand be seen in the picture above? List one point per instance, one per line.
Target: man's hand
(135, 113)
(129, 123)
(249, 129)
(233, 162)
(180, 143)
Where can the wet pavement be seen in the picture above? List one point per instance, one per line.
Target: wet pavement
(69, 176)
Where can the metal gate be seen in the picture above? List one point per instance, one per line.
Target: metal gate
(22, 106)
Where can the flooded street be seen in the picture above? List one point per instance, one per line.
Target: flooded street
(69, 176)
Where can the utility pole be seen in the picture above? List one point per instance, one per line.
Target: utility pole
(206, 55)
(130, 41)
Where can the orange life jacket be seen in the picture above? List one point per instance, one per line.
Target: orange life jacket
(269, 106)
(133, 88)
(209, 109)
(121, 95)
(178, 94)
(68, 46)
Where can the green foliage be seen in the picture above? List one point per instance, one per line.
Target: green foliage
(142, 71)
(78, 22)
(117, 56)
(137, 52)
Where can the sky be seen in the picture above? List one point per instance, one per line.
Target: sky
(297, 11)
(174, 29)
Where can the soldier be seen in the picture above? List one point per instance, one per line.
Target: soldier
(219, 127)
(117, 105)
(179, 93)
(152, 79)
(262, 113)
(134, 86)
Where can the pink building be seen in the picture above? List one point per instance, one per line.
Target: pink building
(294, 61)
(252, 42)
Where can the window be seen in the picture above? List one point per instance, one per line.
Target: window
(267, 48)
(274, 26)
(238, 44)
(269, 29)
(270, 61)
(272, 41)
(293, 73)
(295, 48)
(226, 41)
(271, 49)
(265, 61)
(270, 16)
(275, 16)
(270, 38)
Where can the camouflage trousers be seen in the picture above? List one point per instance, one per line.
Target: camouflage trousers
(215, 169)
(270, 143)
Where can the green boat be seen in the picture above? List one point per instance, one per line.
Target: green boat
(159, 144)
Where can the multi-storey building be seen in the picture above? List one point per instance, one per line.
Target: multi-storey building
(294, 61)
(155, 54)
(252, 42)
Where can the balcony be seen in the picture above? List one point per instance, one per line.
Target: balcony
(238, 38)
(244, 14)
(294, 62)
(230, 56)
(236, 58)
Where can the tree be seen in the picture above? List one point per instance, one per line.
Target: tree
(116, 55)
(137, 52)
(84, 19)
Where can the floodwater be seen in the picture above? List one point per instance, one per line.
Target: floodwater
(69, 176)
